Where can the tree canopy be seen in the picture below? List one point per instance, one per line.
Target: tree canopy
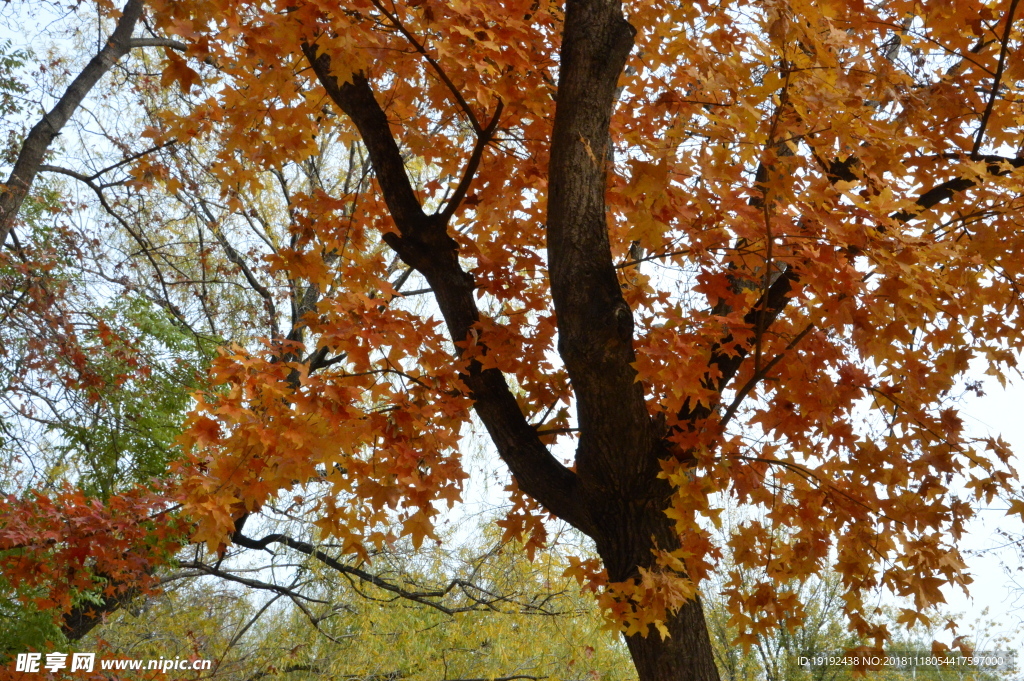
(665, 256)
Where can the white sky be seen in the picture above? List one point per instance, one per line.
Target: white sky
(1000, 412)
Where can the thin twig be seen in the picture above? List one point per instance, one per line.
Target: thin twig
(995, 80)
(758, 376)
(463, 104)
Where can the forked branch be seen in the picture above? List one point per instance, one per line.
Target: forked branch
(424, 244)
(37, 143)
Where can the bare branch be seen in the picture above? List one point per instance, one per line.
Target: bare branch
(1004, 48)
(34, 149)
(158, 42)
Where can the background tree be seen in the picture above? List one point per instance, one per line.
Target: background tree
(814, 625)
(541, 626)
(35, 145)
(90, 401)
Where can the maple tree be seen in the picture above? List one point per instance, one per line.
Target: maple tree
(700, 250)
(677, 252)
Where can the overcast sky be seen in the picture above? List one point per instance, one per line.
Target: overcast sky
(998, 412)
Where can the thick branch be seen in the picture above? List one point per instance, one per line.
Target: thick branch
(997, 165)
(595, 325)
(478, 597)
(355, 98)
(728, 354)
(83, 618)
(251, 583)
(728, 358)
(158, 42)
(34, 149)
(333, 563)
(424, 244)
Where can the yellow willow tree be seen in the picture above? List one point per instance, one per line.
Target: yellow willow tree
(676, 252)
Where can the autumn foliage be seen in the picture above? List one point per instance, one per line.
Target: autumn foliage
(666, 254)
(64, 545)
(809, 234)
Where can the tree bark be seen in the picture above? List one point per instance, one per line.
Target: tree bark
(82, 619)
(631, 533)
(33, 150)
(686, 655)
(620, 446)
(614, 495)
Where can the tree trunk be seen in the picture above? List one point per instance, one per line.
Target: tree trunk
(636, 529)
(614, 495)
(685, 656)
(617, 459)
